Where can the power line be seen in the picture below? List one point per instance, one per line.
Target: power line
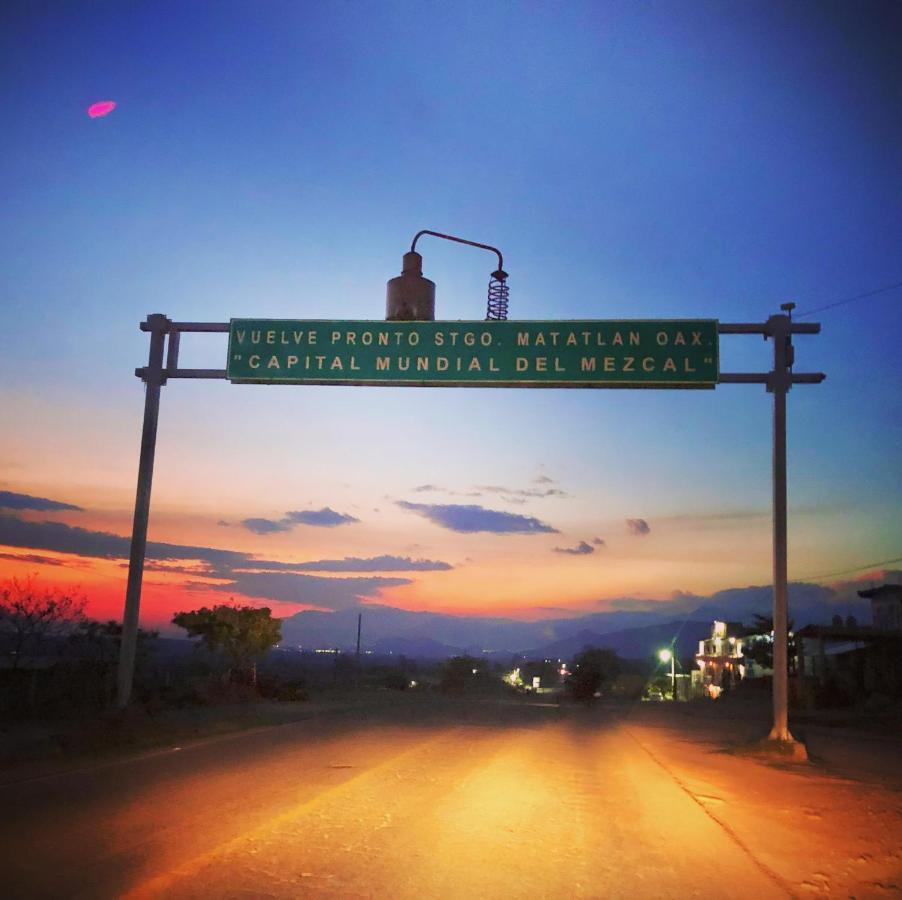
(883, 290)
(885, 562)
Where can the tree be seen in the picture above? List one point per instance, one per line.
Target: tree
(762, 652)
(93, 651)
(98, 642)
(30, 615)
(460, 673)
(243, 633)
(590, 670)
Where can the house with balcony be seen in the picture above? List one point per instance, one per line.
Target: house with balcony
(720, 659)
(886, 606)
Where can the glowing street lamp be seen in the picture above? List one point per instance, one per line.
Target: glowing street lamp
(668, 656)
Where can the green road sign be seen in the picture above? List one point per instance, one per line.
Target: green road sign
(671, 353)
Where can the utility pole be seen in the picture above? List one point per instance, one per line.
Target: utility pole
(780, 328)
(359, 624)
(158, 326)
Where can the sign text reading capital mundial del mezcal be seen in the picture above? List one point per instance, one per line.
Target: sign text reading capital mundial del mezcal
(672, 353)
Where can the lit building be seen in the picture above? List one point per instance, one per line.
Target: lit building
(720, 658)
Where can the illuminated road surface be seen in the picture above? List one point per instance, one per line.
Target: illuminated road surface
(514, 803)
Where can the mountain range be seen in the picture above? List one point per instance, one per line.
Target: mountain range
(635, 630)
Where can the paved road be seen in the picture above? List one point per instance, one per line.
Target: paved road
(522, 803)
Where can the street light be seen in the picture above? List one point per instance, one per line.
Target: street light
(411, 297)
(668, 656)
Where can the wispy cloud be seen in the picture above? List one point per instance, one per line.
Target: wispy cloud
(581, 549)
(520, 493)
(357, 564)
(598, 542)
(317, 518)
(638, 527)
(33, 558)
(468, 519)
(718, 518)
(724, 515)
(9, 500)
(508, 494)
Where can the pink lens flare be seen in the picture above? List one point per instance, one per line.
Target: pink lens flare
(103, 108)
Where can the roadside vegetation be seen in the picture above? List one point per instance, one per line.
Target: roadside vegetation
(58, 672)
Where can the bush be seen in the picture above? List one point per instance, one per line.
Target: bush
(590, 671)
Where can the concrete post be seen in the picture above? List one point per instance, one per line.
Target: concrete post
(779, 385)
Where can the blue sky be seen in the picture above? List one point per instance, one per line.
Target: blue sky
(631, 160)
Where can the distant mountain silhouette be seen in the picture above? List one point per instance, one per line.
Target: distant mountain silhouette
(635, 630)
(631, 643)
(415, 648)
(312, 629)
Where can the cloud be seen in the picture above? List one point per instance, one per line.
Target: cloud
(310, 590)
(542, 479)
(62, 538)
(471, 519)
(581, 549)
(265, 526)
(9, 500)
(320, 518)
(16, 532)
(357, 564)
(638, 527)
(727, 515)
(34, 559)
(201, 570)
(598, 542)
(716, 518)
(677, 604)
(508, 494)
(517, 493)
(244, 573)
(223, 524)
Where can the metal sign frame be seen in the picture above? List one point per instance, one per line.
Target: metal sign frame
(163, 364)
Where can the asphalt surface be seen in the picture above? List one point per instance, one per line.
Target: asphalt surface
(507, 802)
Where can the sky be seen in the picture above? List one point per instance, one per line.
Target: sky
(653, 161)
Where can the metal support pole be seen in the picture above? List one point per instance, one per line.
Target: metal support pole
(673, 674)
(780, 380)
(158, 326)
